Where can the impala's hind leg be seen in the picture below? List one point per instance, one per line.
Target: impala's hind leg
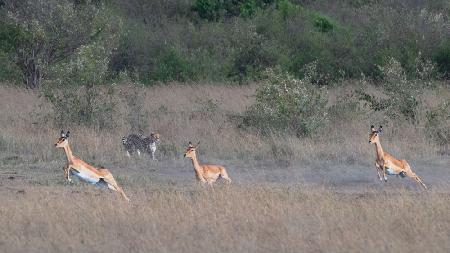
(224, 175)
(112, 184)
(413, 175)
(119, 190)
(416, 178)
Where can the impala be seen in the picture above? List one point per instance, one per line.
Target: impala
(88, 173)
(386, 163)
(206, 173)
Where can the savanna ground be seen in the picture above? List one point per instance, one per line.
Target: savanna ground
(289, 194)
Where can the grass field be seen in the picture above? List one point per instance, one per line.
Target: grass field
(288, 194)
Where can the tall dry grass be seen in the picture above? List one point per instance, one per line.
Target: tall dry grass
(203, 113)
(235, 219)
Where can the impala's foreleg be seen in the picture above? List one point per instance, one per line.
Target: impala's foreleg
(378, 171)
(384, 173)
(67, 173)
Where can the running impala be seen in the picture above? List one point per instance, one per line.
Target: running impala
(206, 173)
(386, 163)
(88, 173)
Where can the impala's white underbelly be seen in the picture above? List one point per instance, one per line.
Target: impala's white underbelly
(390, 171)
(85, 177)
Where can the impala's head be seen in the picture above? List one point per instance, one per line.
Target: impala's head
(62, 141)
(190, 152)
(374, 134)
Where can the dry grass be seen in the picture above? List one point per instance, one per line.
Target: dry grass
(264, 211)
(201, 113)
(236, 219)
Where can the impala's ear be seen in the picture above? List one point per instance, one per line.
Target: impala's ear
(380, 129)
(190, 145)
(67, 134)
(372, 128)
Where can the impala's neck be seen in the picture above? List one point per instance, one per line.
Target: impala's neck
(68, 153)
(195, 163)
(379, 150)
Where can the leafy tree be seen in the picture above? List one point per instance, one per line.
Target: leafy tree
(49, 31)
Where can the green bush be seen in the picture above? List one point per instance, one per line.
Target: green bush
(250, 61)
(208, 9)
(213, 10)
(86, 105)
(88, 66)
(323, 24)
(284, 103)
(9, 71)
(401, 94)
(172, 66)
(442, 59)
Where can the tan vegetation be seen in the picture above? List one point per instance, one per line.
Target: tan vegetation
(289, 194)
(237, 219)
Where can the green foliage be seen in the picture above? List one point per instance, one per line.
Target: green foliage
(401, 94)
(323, 24)
(172, 66)
(213, 10)
(8, 69)
(86, 105)
(250, 60)
(220, 40)
(442, 58)
(56, 30)
(438, 123)
(288, 104)
(88, 66)
(287, 9)
(208, 9)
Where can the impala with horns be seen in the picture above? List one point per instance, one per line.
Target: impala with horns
(88, 173)
(206, 173)
(387, 164)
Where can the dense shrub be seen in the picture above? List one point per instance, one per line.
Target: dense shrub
(323, 24)
(208, 9)
(288, 104)
(401, 94)
(172, 66)
(226, 40)
(213, 10)
(442, 58)
(86, 105)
